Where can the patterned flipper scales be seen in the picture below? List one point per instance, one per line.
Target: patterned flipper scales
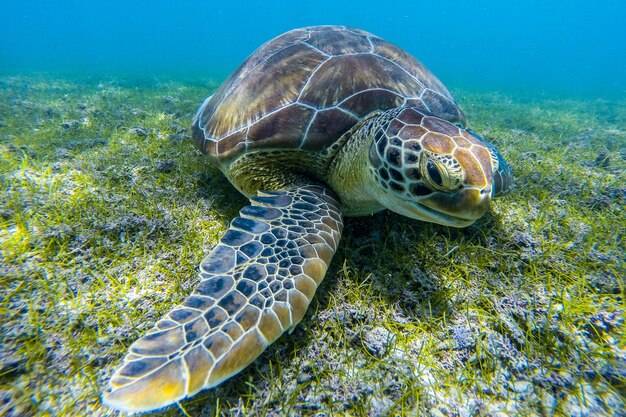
(255, 285)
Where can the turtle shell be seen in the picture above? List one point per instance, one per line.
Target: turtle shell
(307, 87)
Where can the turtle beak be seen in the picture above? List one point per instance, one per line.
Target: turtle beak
(419, 211)
(459, 209)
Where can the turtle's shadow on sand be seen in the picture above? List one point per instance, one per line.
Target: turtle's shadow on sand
(225, 199)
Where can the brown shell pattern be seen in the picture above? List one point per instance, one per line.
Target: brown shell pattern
(307, 87)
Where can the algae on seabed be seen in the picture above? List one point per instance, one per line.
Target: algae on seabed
(107, 208)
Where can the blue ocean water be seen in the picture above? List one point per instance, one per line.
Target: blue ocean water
(551, 46)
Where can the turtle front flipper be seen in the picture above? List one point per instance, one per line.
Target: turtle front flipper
(255, 285)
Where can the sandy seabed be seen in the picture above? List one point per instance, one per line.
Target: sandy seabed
(106, 208)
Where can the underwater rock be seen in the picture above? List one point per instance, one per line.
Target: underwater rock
(377, 340)
(25, 104)
(520, 387)
(554, 379)
(603, 160)
(133, 224)
(304, 377)
(529, 245)
(62, 153)
(69, 124)
(463, 337)
(618, 193)
(22, 149)
(606, 198)
(177, 137)
(6, 214)
(601, 257)
(613, 373)
(85, 143)
(139, 131)
(175, 127)
(528, 156)
(138, 112)
(59, 233)
(349, 316)
(604, 321)
(420, 286)
(12, 364)
(165, 166)
(380, 406)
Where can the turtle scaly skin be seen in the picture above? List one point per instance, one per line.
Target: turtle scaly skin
(319, 123)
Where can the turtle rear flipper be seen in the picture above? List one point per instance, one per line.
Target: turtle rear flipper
(255, 285)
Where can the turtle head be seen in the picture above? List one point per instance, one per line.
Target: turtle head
(430, 169)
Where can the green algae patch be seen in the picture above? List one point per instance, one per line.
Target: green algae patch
(107, 208)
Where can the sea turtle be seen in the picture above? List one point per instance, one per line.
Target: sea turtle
(319, 123)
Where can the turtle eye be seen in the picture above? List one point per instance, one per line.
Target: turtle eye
(435, 174)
